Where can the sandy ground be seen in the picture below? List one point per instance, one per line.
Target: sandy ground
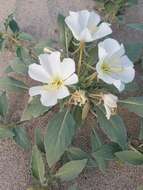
(39, 19)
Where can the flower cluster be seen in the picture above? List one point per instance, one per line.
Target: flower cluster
(58, 77)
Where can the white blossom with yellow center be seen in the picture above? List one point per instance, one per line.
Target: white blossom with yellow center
(55, 75)
(86, 26)
(110, 104)
(114, 67)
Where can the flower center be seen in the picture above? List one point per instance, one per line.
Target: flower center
(106, 68)
(56, 83)
(93, 28)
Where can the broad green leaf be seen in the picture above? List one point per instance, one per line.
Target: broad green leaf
(132, 2)
(65, 34)
(21, 137)
(14, 26)
(114, 128)
(37, 165)
(60, 132)
(134, 50)
(3, 104)
(34, 109)
(77, 115)
(1, 42)
(75, 153)
(96, 145)
(12, 84)
(141, 130)
(131, 157)
(136, 26)
(5, 132)
(107, 151)
(71, 170)
(25, 36)
(17, 66)
(39, 140)
(95, 141)
(134, 104)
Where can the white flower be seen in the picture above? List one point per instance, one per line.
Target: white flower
(114, 67)
(110, 104)
(55, 75)
(86, 26)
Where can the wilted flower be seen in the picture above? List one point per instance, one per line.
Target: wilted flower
(55, 75)
(78, 98)
(110, 104)
(114, 67)
(86, 26)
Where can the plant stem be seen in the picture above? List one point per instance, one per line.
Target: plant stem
(80, 57)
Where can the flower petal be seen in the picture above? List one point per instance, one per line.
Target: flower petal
(73, 23)
(126, 62)
(63, 92)
(119, 85)
(51, 62)
(67, 67)
(37, 72)
(85, 36)
(94, 19)
(111, 47)
(108, 111)
(49, 98)
(103, 30)
(73, 79)
(35, 90)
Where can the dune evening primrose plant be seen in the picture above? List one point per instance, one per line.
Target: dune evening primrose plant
(80, 81)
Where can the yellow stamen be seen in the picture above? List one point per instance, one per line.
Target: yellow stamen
(55, 84)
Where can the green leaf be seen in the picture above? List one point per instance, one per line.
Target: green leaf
(136, 26)
(134, 50)
(5, 133)
(3, 104)
(141, 130)
(1, 42)
(75, 153)
(133, 104)
(21, 138)
(12, 84)
(107, 151)
(96, 145)
(114, 128)
(25, 36)
(18, 66)
(60, 132)
(34, 109)
(37, 165)
(65, 34)
(71, 170)
(132, 2)
(131, 157)
(39, 140)
(95, 141)
(14, 26)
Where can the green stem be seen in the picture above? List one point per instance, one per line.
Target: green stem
(80, 57)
